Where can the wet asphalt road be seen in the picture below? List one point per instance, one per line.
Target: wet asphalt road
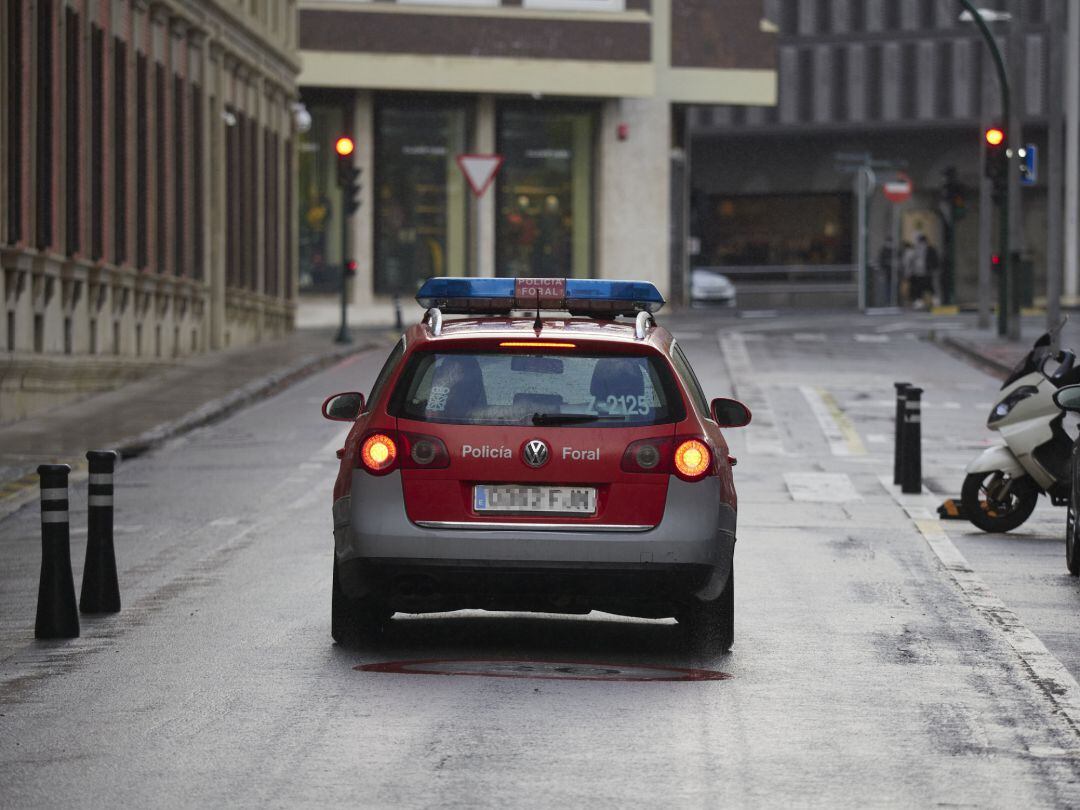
(871, 666)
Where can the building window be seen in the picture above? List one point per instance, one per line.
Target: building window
(545, 192)
(198, 244)
(179, 179)
(97, 142)
(270, 212)
(14, 124)
(232, 208)
(119, 138)
(142, 159)
(73, 134)
(320, 201)
(563, 5)
(420, 195)
(44, 135)
(161, 167)
(290, 212)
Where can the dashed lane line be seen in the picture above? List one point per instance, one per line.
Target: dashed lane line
(763, 437)
(1044, 670)
(839, 430)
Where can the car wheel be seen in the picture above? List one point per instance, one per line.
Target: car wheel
(711, 625)
(996, 502)
(1072, 541)
(355, 620)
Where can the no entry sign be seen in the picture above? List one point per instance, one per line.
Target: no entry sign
(898, 189)
(479, 170)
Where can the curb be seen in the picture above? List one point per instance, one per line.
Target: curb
(984, 362)
(17, 491)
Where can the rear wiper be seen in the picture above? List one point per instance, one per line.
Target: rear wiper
(570, 418)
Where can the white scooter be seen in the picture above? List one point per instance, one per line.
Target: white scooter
(1005, 481)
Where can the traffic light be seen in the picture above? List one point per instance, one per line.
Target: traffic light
(348, 174)
(996, 165)
(953, 204)
(350, 268)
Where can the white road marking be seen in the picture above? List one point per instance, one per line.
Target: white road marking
(820, 487)
(759, 313)
(762, 437)
(1048, 674)
(879, 438)
(808, 337)
(225, 521)
(862, 337)
(839, 431)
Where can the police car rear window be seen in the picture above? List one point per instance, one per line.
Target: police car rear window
(533, 389)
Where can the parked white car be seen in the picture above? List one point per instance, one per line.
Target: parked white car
(709, 286)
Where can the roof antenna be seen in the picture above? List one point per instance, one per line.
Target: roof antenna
(538, 324)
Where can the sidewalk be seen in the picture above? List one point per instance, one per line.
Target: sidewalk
(136, 417)
(1000, 355)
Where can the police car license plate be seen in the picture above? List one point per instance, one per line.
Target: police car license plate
(517, 499)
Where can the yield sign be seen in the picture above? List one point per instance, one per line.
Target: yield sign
(479, 170)
(898, 189)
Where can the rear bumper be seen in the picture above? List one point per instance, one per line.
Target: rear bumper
(688, 554)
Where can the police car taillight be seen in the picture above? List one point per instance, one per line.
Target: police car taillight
(688, 457)
(378, 453)
(647, 456)
(693, 459)
(424, 452)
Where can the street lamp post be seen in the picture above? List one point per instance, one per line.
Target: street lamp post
(1005, 279)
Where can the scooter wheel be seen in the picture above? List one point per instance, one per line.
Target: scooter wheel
(995, 502)
(1072, 541)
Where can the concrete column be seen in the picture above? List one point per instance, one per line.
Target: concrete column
(633, 193)
(483, 212)
(363, 221)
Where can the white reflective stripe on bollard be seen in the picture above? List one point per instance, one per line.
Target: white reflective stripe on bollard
(54, 517)
(101, 478)
(100, 500)
(54, 494)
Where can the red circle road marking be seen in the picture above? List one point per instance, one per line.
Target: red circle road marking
(545, 670)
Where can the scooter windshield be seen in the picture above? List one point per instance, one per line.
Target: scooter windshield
(1033, 361)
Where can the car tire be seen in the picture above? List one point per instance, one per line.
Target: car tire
(711, 625)
(1072, 540)
(355, 620)
(1001, 516)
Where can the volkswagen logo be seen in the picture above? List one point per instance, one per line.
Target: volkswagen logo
(535, 453)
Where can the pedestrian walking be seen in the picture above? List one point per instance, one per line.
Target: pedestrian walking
(885, 271)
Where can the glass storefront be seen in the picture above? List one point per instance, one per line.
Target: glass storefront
(775, 229)
(421, 199)
(544, 192)
(319, 200)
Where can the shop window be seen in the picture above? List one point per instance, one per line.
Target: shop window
(545, 192)
(776, 230)
(179, 178)
(161, 169)
(421, 198)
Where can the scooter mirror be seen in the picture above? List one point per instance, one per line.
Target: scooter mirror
(1068, 398)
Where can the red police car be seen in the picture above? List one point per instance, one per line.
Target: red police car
(536, 463)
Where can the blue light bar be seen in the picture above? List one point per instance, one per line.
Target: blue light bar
(578, 296)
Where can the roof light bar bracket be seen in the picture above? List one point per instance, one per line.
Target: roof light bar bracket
(641, 324)
(433, 317)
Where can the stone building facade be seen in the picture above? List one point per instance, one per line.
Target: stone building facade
(146, 187)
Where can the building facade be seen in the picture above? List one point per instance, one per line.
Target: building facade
(146, 185)
(584, 100)
(904, 81)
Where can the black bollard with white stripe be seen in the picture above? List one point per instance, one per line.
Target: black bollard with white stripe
(898, 433)
(911, 474)
(57, 616)
(100, 590)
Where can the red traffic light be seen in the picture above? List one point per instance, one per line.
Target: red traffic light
(995, 259)
(344, 146)
(995, 136)
(350, 268)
